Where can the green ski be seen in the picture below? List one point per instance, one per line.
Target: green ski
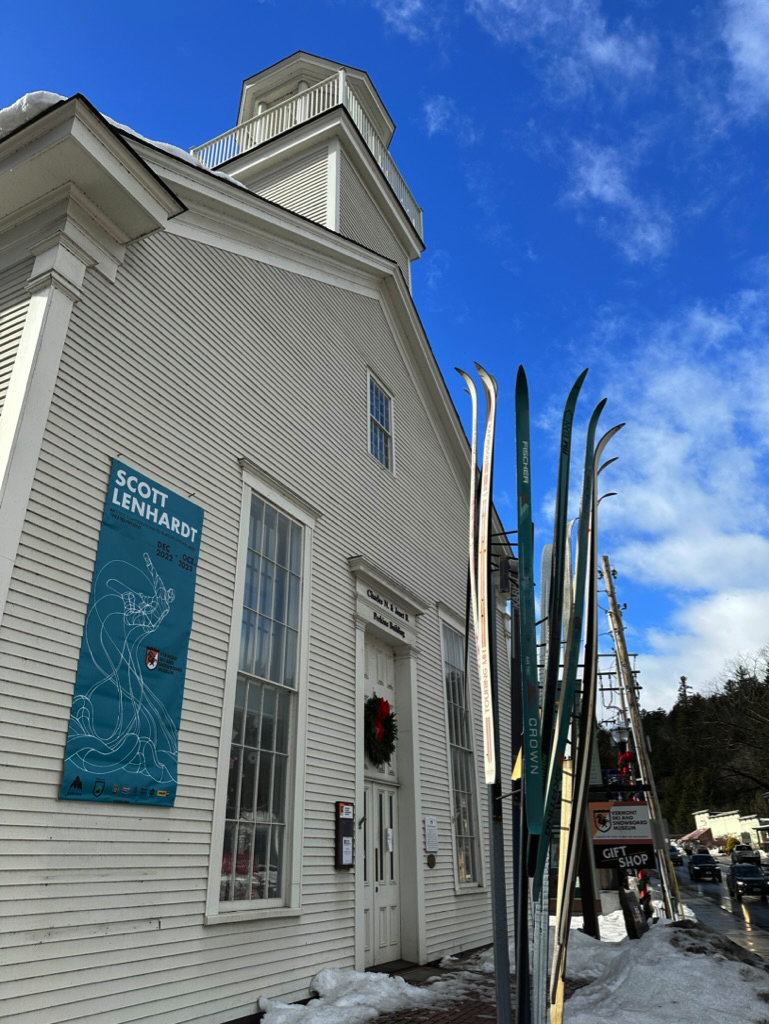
(571, 657)
(532, 754)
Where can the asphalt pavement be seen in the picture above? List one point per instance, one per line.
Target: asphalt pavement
(744, 921)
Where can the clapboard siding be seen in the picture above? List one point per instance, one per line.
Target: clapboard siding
(360, 219)
(203, 357)
(14, 302)
(301, 186)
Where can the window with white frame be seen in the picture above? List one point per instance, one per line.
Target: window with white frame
(462, 758)
(380, 423)
(258, 803)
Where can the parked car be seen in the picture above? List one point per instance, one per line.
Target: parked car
(744, 854)
(747, 880)
(702, 865)
(675, 855)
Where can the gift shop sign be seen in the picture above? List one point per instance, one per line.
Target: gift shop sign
(621, 835)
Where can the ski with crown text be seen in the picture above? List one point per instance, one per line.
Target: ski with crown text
(531, 746)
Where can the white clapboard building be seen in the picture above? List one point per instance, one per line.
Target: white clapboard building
(236, 331)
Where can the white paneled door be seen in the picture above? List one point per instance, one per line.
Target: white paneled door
(381, 914)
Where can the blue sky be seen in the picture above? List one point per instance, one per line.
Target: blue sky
(594, 190)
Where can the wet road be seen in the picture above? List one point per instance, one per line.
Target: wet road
(745, 921)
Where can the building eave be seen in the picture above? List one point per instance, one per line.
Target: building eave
(335, 122)
(72, 144)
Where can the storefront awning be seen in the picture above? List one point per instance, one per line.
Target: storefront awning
(702, 834)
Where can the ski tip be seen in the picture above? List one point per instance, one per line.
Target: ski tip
(599, 408)
(608, 436)
(486, 377)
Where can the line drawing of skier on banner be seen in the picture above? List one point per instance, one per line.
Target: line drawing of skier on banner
(119, 722)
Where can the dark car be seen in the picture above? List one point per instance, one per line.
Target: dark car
(675, 855)
(702, 865)
(747, 880)
(744, 854)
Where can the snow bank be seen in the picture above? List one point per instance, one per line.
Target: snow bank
(25, 108)
(680, 973)
(349, 997)
(673, 973)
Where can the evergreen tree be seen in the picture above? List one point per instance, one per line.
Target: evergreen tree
(712, 751)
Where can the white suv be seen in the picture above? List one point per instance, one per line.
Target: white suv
(744, 854)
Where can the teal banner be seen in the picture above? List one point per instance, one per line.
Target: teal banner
(124, 724)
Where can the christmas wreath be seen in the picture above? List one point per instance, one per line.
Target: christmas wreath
(379, 730)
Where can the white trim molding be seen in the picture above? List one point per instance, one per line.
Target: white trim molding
(259, 482)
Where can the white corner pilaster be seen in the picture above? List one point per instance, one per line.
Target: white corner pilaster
(55, 282)
(413, 927)
(333, 184)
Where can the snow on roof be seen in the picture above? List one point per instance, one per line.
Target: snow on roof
(34, 103)
(25, 108)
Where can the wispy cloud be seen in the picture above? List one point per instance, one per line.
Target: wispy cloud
(434, 266)
(641, 228)
(700, 640)
(744, 33)
(690, 516)
(417, 20)
(573, 40)
(442, 117)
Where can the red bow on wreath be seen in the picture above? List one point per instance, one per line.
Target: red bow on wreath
(380, 730)
(381, 714)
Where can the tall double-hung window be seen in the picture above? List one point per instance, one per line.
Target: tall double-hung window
(380, 423)
(463, 784)
(258, 816)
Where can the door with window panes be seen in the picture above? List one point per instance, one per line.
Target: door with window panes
(381, 909)
(381, 879)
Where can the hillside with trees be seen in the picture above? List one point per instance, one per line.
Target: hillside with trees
(712, 750)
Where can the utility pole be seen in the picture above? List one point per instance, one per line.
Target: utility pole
(627, 683)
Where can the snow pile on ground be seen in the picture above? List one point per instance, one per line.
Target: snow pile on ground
(349, 997)
(25, 108)
(675, 972)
